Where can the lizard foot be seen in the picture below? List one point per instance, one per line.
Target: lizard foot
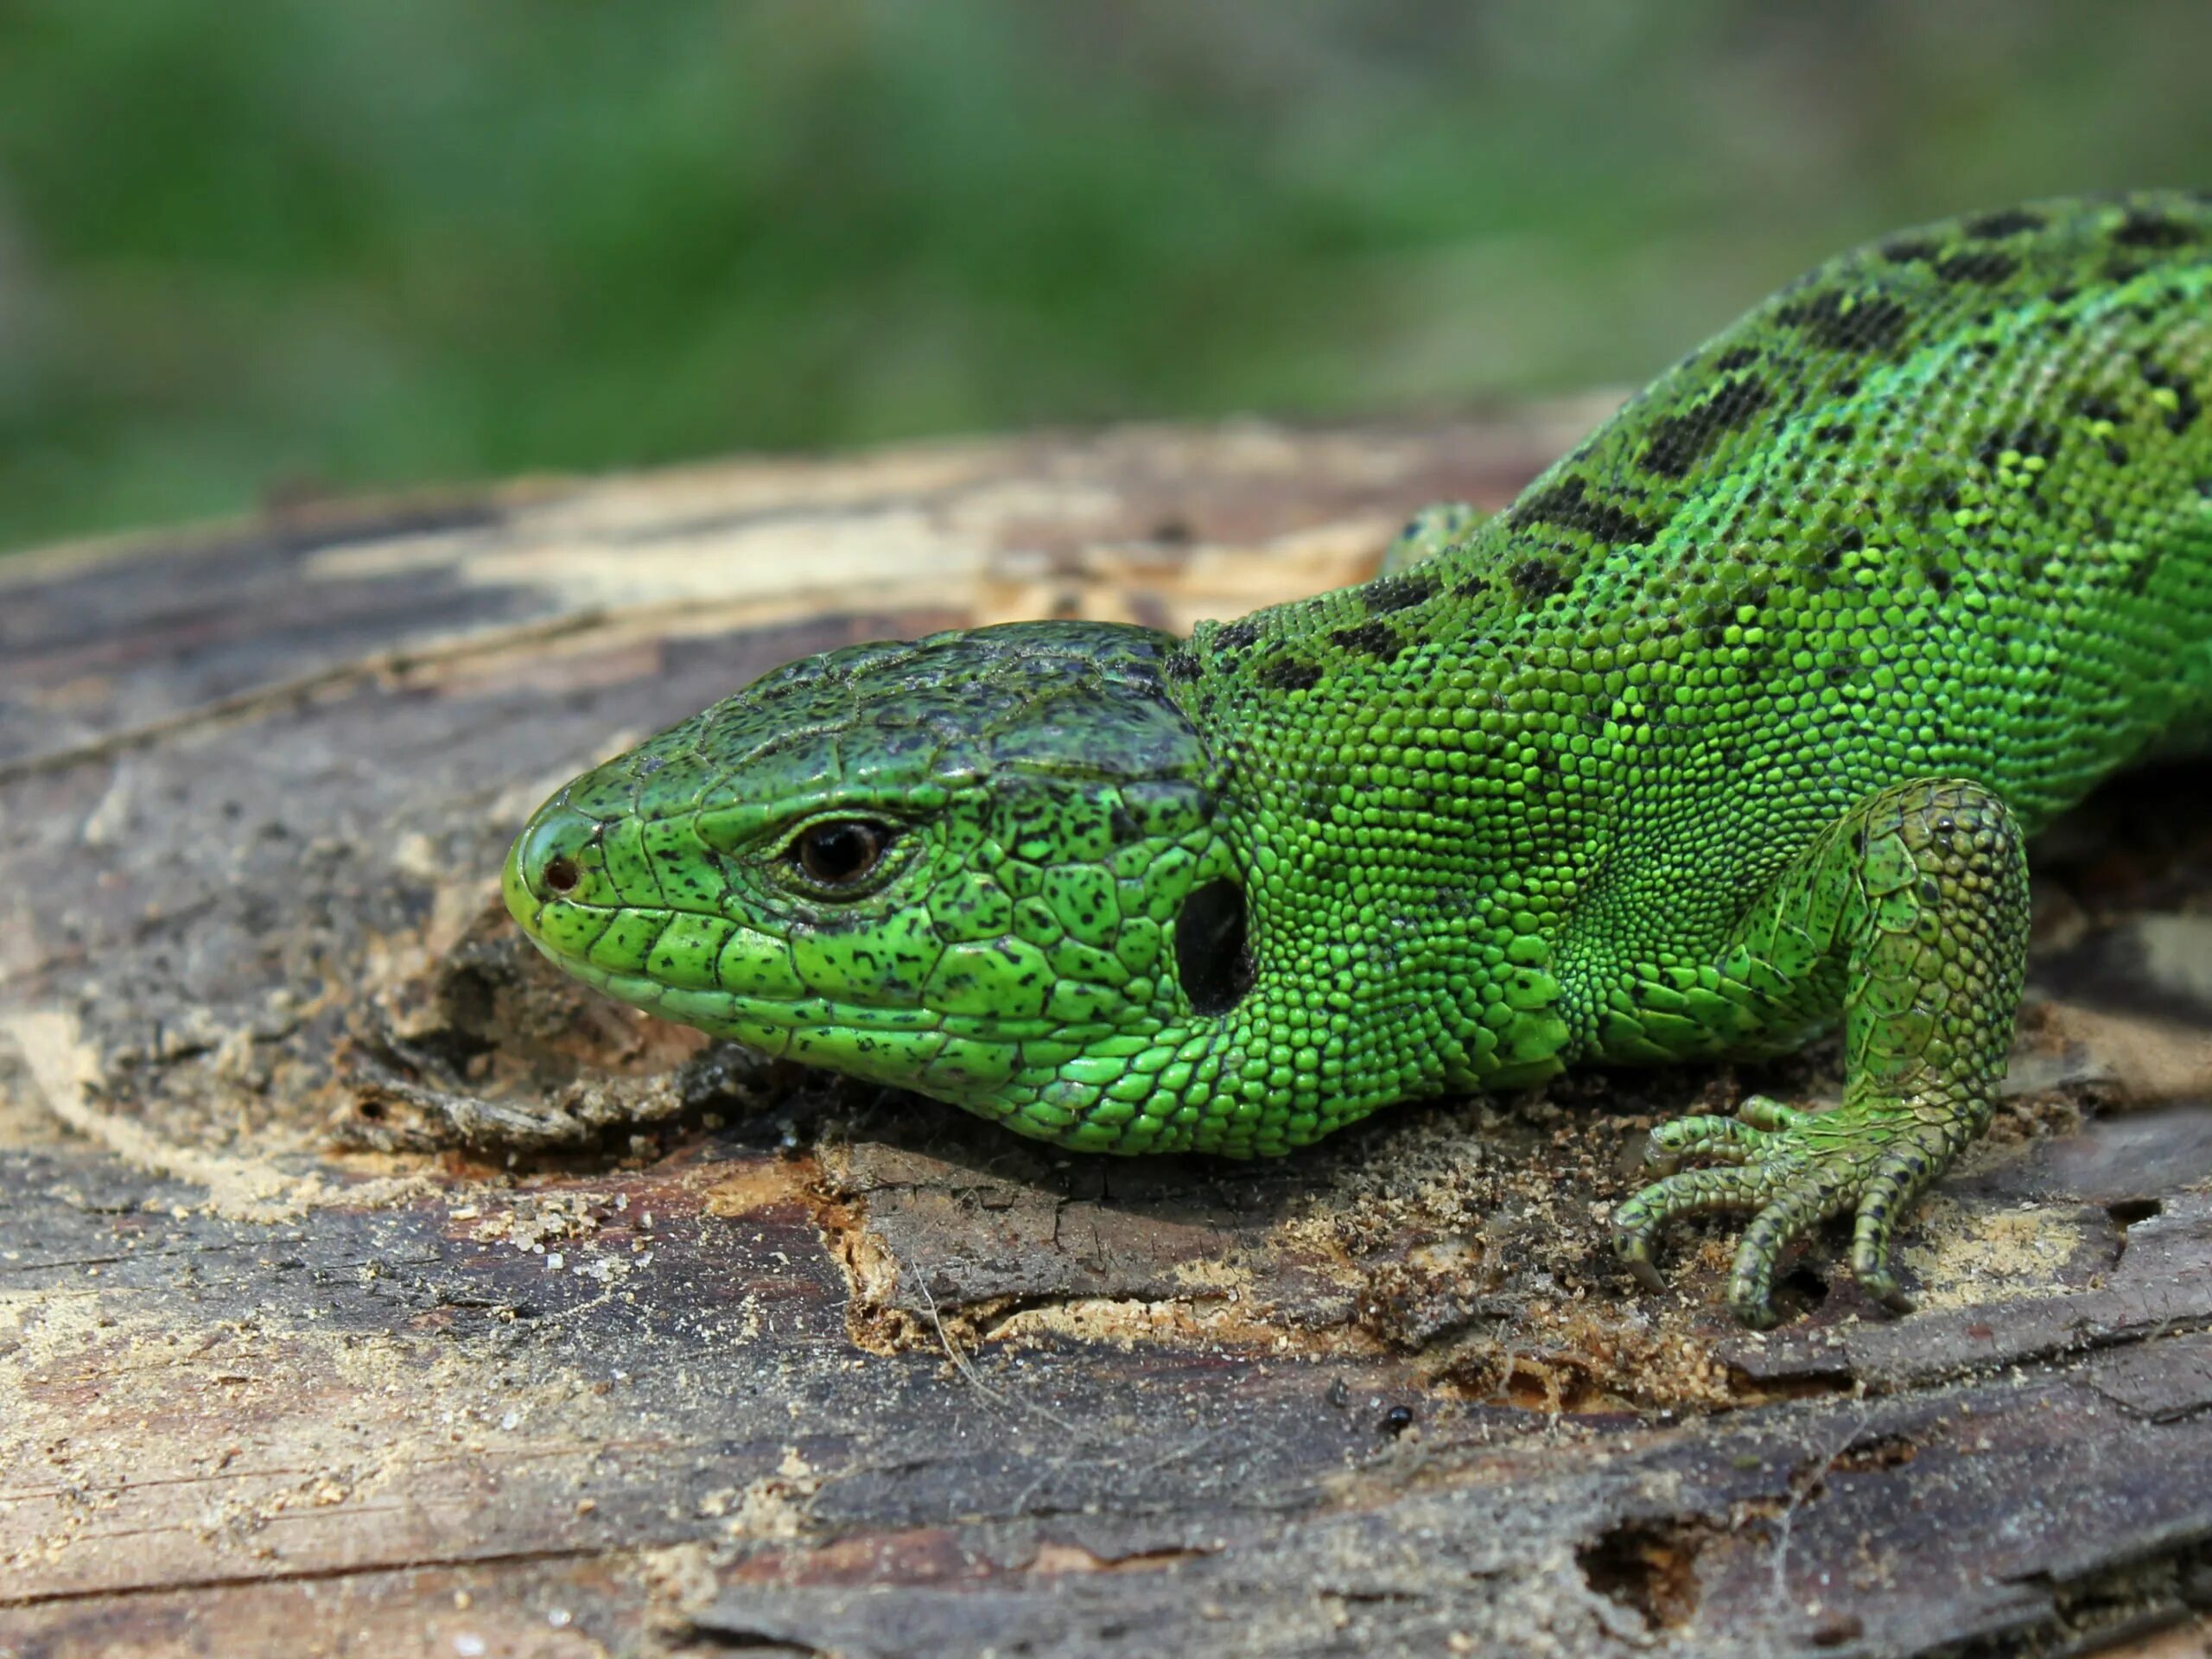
(1796, 1169)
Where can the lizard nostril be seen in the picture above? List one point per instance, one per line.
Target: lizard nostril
(552, 858)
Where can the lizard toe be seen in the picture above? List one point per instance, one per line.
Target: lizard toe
(1707, 1139)
(1677, 1197)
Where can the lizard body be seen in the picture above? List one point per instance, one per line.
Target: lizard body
(1729, 730)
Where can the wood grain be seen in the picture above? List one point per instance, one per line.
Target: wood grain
(367, 1289)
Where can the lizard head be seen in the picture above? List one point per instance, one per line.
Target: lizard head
(973, 865)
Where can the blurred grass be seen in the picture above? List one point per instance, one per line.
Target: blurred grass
(262, 245)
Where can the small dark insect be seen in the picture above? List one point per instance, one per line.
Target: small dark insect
(840, 853)
(1397, 1420)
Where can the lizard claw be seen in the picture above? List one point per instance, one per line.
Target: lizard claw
(1741, 1139)
(1795, 1169)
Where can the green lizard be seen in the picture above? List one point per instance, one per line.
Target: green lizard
(1729, 729)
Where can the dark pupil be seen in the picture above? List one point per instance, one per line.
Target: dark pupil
(560, 873)
(834, 854)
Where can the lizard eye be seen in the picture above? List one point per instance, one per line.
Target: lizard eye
(841, 853)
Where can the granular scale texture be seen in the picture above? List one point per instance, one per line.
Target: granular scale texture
(1730, 730)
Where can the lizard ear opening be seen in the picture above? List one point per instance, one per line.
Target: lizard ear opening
(1213, 956)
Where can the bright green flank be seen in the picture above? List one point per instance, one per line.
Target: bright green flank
(1726, 732)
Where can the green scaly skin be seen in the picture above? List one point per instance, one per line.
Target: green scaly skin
(1729, 729)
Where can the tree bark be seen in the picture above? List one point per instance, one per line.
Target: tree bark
(366, 1288)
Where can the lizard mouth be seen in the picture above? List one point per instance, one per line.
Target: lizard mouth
(702, 969)
(962, 1059)
(740, 1016)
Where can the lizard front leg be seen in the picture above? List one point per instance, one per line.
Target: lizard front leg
(1921, 892)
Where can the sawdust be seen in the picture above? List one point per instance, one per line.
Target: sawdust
(755, 1186)
(279, 1430)
(772, 1507)
(65, 1071)
(1186, 1324)
(1967, 1255)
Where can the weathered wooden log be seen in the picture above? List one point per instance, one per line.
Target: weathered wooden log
(367, 1287)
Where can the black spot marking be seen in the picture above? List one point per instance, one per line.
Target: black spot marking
(2062, 294)
(1741, 357)
(1850, 542)
(2115, 452)
(1389, 593)
(1539, 579)
(2010, 222)
(2033, 439)
(1680, 442)
(1377, 639)
(1237, 636)
(1986, 266)
(1903, 250)
(2092, 407)
(1836, 432)
(2122, 270)
(2144, 228)
(1936, 496)
(1568, 504)
(1850, 322)
(2187, 405)
(1289, 674)
(1938, 577)
(1213, 949)
(1182, 664)
(1848, 387)
(1122, 825)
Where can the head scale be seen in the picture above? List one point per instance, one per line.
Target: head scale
(959, 866)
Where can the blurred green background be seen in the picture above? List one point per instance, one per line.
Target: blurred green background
(250, 246)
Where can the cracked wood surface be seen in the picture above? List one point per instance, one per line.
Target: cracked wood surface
(366, 1288)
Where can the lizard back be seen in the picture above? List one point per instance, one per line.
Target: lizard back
(1942, 508)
